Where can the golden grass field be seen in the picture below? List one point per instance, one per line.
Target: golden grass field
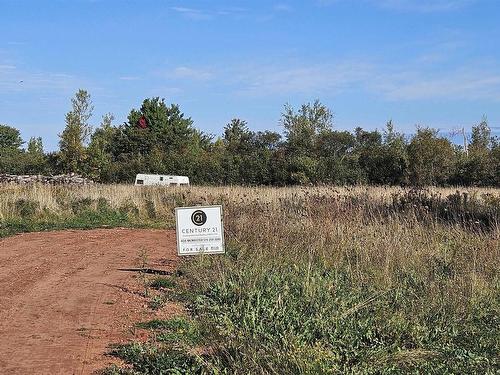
(55, 198)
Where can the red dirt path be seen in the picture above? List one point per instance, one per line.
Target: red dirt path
(63, 299)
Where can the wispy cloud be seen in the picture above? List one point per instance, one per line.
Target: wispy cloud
(16, 79)
(193, 13)
(471, 84)
(393, 83)
(129, 78)
(199, 14)
(195, 74)
(423, 5)
(283, 7)
(266, 80)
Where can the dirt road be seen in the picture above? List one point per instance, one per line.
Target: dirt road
(65, 296)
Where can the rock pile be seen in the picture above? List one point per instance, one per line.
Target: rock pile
(62, 179)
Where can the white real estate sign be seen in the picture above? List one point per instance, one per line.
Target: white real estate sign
(199, 230)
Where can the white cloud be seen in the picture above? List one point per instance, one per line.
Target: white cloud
(411, 5)
(207, 14)
(282, 7)
(402, 83)
(129, 78)
(472, 84)
(318, 78)
(183, 72)
(424, 5)
(192, 13)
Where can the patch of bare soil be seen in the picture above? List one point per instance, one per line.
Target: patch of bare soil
(66, 296)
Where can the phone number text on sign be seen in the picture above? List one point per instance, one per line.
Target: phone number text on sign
(199, 230)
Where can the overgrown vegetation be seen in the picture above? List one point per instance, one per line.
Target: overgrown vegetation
(159, 138)
(321, 281)
(315, 280)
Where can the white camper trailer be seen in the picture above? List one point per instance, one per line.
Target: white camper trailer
(159, 179)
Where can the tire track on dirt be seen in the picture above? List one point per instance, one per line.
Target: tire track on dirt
(63, 298)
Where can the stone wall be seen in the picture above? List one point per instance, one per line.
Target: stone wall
(62, 179)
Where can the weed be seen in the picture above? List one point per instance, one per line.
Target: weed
(162, 283)
(152, 359)
(156, 302)
(177, 330)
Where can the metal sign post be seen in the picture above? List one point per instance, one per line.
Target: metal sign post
(199, 230)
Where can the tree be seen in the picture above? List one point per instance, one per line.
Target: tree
(156, 138)
(338, 162)
(481, 137)
(10, 138)
(479, 166)
(370, 151)
(166, 127)
(303, 127)
(35, 161)
(237, 142)
(395, 157)
(10, 152)
(302, 130)
(100, 158)
(76, 133)
(431, 158)
(82, 110)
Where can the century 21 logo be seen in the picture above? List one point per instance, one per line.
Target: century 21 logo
(199, 217)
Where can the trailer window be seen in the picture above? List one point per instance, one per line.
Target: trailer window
(161, 178)
(140, 182)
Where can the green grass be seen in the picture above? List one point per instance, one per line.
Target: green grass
(176, 330)
(162, 283)
(316, 320)
(154, 359)
(81, 218)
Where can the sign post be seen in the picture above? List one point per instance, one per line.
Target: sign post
(199, 230)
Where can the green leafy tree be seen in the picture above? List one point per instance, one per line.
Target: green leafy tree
(238, 146)
(10, 151)
(302, 127)
(395, 157)
(76, 134)
(99, 155)
(338, 163)
(431, 158)
(479, 166)
(302, 130)
(35, 161)
(10, 138)
(370, 150)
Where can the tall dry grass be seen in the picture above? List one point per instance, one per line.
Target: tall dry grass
(58, 199)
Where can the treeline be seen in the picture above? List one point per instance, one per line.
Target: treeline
(159, 138)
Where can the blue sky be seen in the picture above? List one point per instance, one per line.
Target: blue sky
(428, 62)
